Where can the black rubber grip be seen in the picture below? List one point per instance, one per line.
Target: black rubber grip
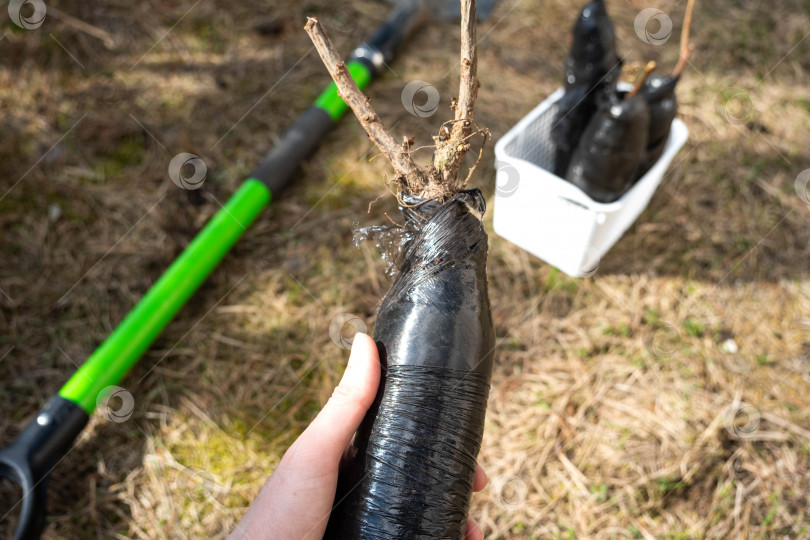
(277, 168)
(48, 437)
(390, 35)
(414, 458)
(30, 458)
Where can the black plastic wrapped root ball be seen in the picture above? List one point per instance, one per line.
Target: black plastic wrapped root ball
(611, 149)
(413, 470)
(574, 109)
(590, 68)
(593, 48)
(659, 93)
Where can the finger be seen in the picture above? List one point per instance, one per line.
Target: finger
(480, 480)
(473, 532)
(303, 484)
(330, 433)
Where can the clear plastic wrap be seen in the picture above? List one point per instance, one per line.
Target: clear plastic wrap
(412, 468)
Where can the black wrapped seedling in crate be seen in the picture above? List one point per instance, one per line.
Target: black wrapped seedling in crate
(591, 66)
(659, 93)
(612, 147)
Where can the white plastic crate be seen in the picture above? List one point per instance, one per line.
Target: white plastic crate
(548, 216)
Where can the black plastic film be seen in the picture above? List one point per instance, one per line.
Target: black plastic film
(414, 462)
(387, 39)
(574, 110)
(593, 47)
(590, 69)
(277, 168)
(611, 149)
(659, 93)
(650, 157)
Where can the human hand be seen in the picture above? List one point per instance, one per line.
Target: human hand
(296, 501)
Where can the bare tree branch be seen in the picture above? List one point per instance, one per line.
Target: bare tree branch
(347, 89)
(450, 153)
(686, 50)
(649, 68)
(440, 180)
(468, 84)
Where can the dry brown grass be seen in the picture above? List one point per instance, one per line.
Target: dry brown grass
(607, 412)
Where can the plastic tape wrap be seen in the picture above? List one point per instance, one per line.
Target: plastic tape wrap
(413, 461)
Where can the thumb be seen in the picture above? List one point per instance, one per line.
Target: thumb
(296, 501)
(337, 422)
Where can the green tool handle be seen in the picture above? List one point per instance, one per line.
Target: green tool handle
(122, 349)
(278, 168)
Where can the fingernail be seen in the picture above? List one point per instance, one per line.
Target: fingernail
(354, 339)
(356, 351)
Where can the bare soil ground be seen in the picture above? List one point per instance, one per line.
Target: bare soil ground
(610, 411)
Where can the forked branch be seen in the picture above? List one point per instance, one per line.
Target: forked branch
(440, 180)
(361, 106)
(450, 153)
